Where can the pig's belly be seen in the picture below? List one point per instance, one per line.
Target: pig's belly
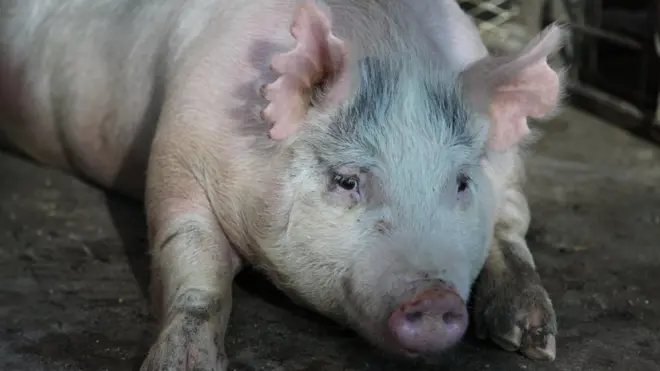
(106, 143)
(77, 81)
(119, 167)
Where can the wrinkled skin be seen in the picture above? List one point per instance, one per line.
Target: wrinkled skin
(363, 154)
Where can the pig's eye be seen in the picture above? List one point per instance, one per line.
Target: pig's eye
(463, 182)
(348, 183)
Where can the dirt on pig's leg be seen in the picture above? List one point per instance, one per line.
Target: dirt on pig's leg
(511, 306)
(193, 270)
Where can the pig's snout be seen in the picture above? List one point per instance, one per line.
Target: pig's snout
(434, 320)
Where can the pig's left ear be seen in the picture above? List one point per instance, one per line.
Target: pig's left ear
(317, 61)
(510, 89)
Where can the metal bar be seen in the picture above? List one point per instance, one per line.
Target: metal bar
(592, 16)
(651, 66)
(655, 124)
(613, 111)
(610, 36)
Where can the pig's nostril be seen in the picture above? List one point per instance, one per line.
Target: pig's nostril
(453, 321)
(414, 316)
(451, 318)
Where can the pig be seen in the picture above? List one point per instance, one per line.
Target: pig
(365, 155)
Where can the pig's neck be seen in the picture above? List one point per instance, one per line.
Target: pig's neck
(249, 206)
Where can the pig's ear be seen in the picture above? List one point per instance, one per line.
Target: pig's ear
(510, 89)
(317, 61)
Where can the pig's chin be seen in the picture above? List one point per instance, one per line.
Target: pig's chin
(384, 341)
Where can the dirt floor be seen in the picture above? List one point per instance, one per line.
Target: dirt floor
(73, 272)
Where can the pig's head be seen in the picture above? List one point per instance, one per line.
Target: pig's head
(388, 202)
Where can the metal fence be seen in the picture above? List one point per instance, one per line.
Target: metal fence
(499, 22)
(612, 51)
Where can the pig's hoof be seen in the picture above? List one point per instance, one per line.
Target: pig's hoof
(186, 344)
(518, 316)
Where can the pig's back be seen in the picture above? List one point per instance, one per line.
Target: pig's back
(82, 81)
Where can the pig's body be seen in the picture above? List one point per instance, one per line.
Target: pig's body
(88, 85)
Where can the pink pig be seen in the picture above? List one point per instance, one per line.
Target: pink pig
(363, 154)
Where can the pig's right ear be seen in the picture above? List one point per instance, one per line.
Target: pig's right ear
(513, 88)
(317, 61)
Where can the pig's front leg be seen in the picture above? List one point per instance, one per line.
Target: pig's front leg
(193, 270)
(511, 307)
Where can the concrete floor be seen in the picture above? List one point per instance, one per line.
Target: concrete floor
(73, 272)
